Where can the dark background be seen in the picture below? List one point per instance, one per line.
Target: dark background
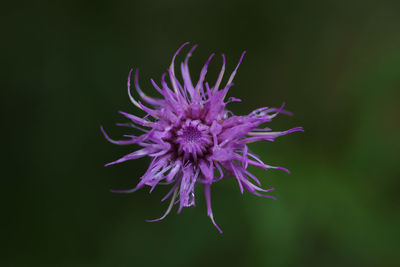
(335, 63)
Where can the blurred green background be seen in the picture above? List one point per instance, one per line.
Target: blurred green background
(336, 64)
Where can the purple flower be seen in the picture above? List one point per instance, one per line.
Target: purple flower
(189, 133)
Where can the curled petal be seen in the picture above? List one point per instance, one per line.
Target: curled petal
(202, 76)
(276, 134)
(237, 66)
(117, 142)
(134, 155)
(171, 68)
(129, 90)
(207, 193)
(136, 119)
(221, 74)
(126, 191)
(171, 204)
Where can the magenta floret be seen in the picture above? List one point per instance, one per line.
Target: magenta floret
(188, 133)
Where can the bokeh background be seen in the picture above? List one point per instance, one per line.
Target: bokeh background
(336, 64)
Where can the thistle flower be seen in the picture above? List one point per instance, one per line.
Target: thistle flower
(189, 133)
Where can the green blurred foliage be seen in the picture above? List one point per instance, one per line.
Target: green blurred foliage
(335, 63)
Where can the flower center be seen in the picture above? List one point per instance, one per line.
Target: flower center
(190, 135)
(193, 139)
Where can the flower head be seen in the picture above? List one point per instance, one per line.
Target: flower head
(188, 133)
